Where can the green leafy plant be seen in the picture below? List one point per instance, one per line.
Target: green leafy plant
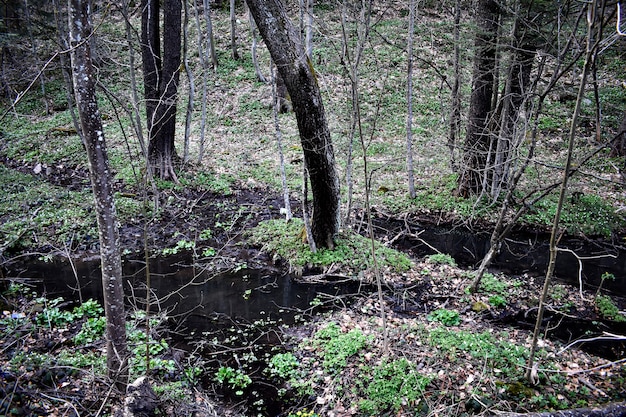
(606, 276)
(283, 365)
(288, 240)
(445, 317)
(441, 259)
(337, 346)
(500, 353)
(497, 301)
(181, 245)
(92, 330)
(607, 308)
(392, 385)
(236, 379)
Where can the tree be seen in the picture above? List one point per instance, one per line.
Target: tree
(619, 146)
(101, 181)
(161, 74)
(478, 139)
(295, 67)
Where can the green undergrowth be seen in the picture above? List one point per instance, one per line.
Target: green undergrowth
(35, 213)
(79, 335)
(352, 251)
(588, 214)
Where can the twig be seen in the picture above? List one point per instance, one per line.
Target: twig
(61, 400)
(605, 336)
(580, 267)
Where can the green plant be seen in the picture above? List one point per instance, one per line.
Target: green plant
(304, 413)
(391, 385)
(181, 245)
(497, 301)
(499, 352)
(607, 309)
(283, 365)
(441, 259)
(605, 276)
(92, 330)
(352, 251)
(445, 317)
(337, 346)
(236, 379)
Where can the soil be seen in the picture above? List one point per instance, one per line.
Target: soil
(410, 297)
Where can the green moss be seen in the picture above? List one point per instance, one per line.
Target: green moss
(352, 250)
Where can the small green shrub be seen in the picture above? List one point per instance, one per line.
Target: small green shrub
(337, 346)
(445, 317)
(287, 239)
(497, 301)
(441, 259)
(391, 385)
(236, 379)
(283, 365)
(607, 309)
(500, 354)
(92, 330)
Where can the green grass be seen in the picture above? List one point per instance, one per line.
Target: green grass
(587, 213)
(352, 251)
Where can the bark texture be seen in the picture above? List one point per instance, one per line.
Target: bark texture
(161, 75)
(478, 140)
(101, 181)
(286, 49)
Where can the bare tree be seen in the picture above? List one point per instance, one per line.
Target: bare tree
(101, 180)
(455, 94)
(190, 78)
(589, 58)
(233, 31)
(204, 64)
(409, 100)
(209, 28)
(253, 47)
(296, 69)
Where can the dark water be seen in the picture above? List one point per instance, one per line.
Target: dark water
(193, 295)
(521, 253)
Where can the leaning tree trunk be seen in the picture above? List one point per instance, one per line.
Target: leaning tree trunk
(101, 182)
(286, 49)
(478, 139)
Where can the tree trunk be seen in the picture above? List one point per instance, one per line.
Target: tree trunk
(101, 181)
(151, 57)
(409, 99)
(191, 80)
(161, 148)
(233, 31)
(619, 147)
(478, 140)
(285, 47)
(515, 92)
(455, 95)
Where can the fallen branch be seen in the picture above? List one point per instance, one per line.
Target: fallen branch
(610, 410)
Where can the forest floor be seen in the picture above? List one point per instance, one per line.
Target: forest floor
(447, 353)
